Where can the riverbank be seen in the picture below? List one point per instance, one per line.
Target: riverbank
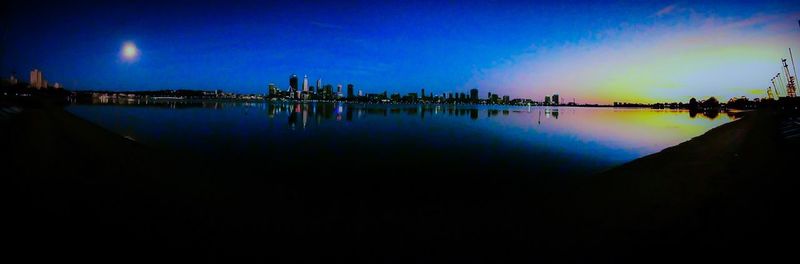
(84, 192)
(726, 194)
(78, 191)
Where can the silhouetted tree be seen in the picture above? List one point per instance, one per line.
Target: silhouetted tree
(711, 103)
(711, 114)
(693, 104)
(740, 103)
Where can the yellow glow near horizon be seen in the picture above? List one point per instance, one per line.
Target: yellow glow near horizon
(662, 60)
(129, 51)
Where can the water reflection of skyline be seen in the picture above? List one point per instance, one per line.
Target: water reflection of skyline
(636, 131)
(605, 134)
(299, 114)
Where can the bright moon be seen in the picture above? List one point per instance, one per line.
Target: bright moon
(129, 51)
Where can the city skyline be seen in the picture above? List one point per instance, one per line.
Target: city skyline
(326, 93)
(647, 52)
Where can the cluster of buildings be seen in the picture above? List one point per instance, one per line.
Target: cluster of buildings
(37, 81)
(554, 100)
(320, 91)
(307, 92)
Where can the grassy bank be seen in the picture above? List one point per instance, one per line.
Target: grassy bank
(725, 194)
(80, 191)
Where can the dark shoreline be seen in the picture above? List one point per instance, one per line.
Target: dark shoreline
(721, 195)
(77, 182)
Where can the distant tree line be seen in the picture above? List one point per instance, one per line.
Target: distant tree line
(704, 105)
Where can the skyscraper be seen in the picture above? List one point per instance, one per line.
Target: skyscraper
(319, 84)
(555, 99)
(350, 90)
(473, 94)
(272, 90)
(547, 100)
(37, 81)
(412, 97)
(34, 77)
(339, 89)
(327, 91)
(293, 83)
(305, 83)
(423, 93)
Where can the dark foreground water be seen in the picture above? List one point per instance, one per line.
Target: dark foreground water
(462, 138)
(383, 183)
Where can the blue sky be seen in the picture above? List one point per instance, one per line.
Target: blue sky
(400, 46)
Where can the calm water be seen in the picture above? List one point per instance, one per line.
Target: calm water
(551, 140)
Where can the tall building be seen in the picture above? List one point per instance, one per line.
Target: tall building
(37, 80)
(423, 93)
(546, 99)
(319, 84)
(339, 89)
(305, 83)
(34, 77)
(293, 84)
(350, 90)
(272, 90)
(555, 99)
(412, 97)
(473, 94)
(360, 93)
(327, 90)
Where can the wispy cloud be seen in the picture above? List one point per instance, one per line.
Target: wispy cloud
(702, 55)
(666, 10)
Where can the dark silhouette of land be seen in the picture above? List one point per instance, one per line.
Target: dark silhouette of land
(78, 191)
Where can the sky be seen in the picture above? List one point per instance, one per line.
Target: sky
(592, 51)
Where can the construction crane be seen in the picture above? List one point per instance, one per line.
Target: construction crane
(775, 87)
(790, 86)
(794, 67)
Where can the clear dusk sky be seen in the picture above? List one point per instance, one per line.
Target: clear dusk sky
(593, 51)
